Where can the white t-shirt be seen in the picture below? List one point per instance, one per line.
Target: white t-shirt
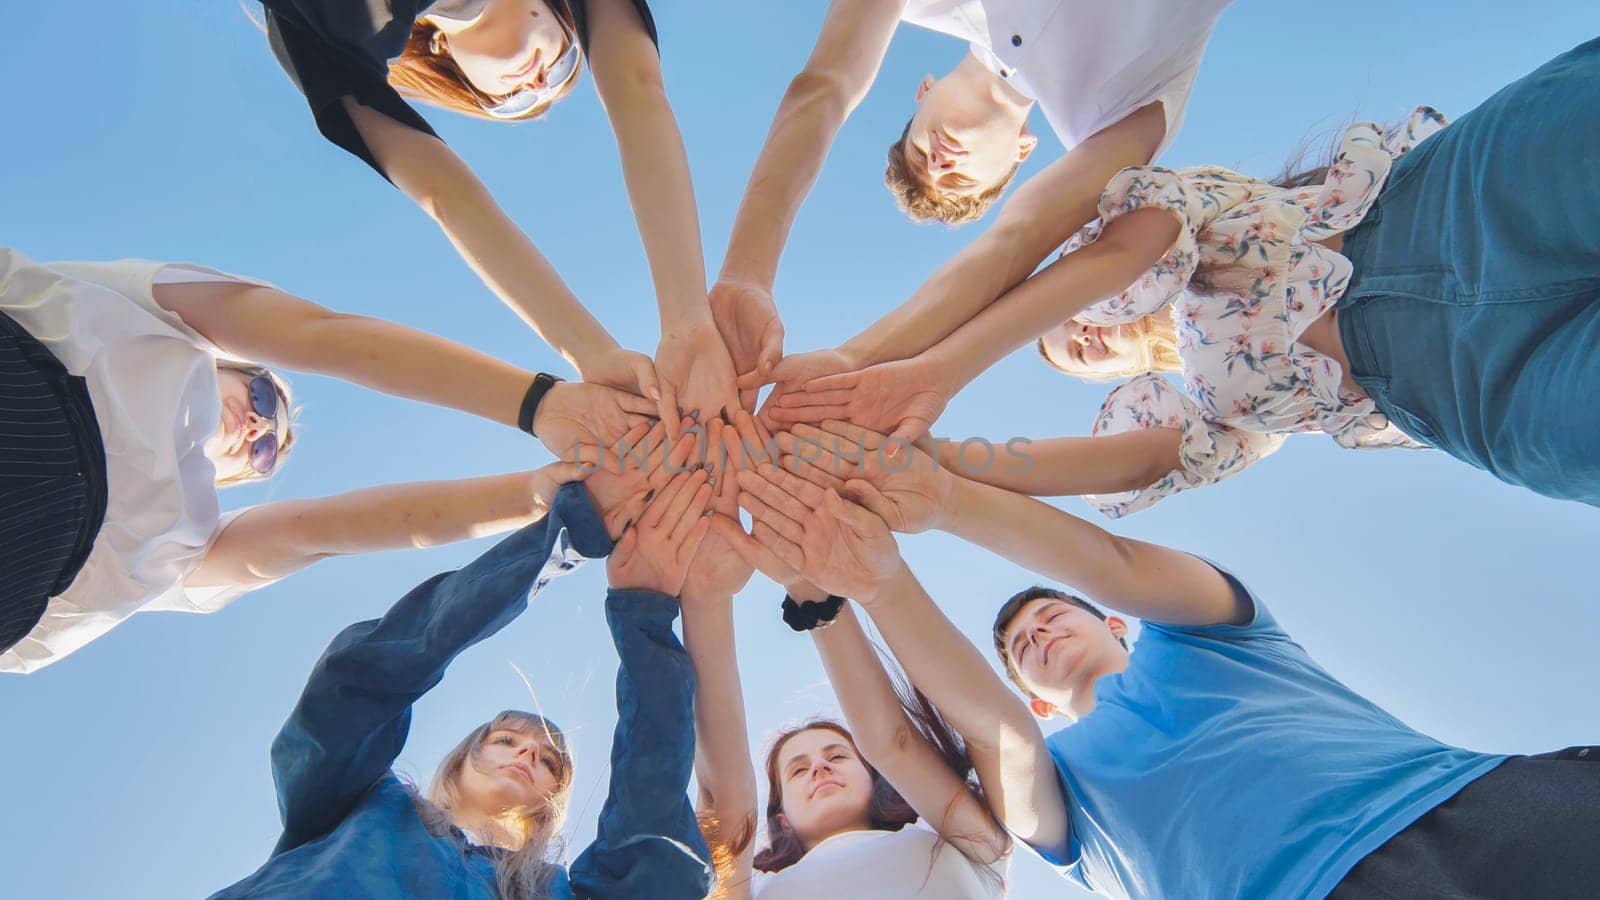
(1087, 63)
(883, 865)
(153, 382)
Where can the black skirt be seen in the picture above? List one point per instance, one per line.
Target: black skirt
(52, 479)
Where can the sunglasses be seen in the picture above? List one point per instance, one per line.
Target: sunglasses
(556, 77)
(264, 403)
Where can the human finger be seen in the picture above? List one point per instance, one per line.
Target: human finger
(695, 508)
(689, 544)
(809, 397)
(789, 414)
(788, 552)
(763, 485)
(760, 511)
(811, 472)
(657, 510)
(808, 494)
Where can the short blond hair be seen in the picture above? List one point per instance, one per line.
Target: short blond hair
(924, 203)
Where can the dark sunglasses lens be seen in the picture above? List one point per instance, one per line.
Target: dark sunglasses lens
(264, 454)
(264, 397)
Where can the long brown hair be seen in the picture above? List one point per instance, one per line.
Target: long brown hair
(886, 810)
(523, 871)
(425, 71)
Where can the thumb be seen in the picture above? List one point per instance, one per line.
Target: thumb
(756, 378)
(864, 495)
(909, 431)
(563, 472)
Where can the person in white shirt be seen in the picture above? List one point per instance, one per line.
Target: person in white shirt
(136, 389)
(884, 805)
(1112, 80)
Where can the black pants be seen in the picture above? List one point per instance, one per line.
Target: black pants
(52, 479)
(1528, 830)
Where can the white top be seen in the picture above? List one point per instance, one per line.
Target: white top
(883, 865)
(153, 382)
(1243, 281)
(1087, 63)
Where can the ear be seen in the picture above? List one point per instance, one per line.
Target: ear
(924, 86)
(1041, 708)
(1026, 141)
(1119, 628)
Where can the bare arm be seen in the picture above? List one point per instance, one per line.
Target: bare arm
(431, 174)
(1144, 580)
(723, 771)
(888, 739)
(277, 539)
(1127, 249)
(1008, 751)
(842, 66)
(1067, 466)
(1038, 218)
(278, 329)
(627, 76)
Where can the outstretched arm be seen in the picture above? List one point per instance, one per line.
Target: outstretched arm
(278, 329)
(1066, 466)
(1144, 580)
(271, 541)
(692, 362)
(353, 716)
(904, 755)
(842, 66)
(436, 179)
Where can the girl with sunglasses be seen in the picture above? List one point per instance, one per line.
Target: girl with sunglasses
(131, 391)
(507, 60)
(483, 828)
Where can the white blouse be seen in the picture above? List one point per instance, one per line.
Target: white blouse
(883, 865)
(1243, 281)
(1087, 63)
(153, 382)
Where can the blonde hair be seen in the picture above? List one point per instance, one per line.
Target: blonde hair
(425, 71)
(1156, 351)
(528, 835)
(923, 202)
(287, 414)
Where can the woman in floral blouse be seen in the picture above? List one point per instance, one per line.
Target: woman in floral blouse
(1444, 296)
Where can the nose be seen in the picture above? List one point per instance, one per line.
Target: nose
(821, 769)
(255, 426)
(938, 159)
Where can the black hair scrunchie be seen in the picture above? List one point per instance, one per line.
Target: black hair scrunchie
(811, 614)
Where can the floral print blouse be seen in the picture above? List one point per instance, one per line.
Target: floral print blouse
(1243, 281)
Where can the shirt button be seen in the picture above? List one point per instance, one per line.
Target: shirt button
(1016, 40)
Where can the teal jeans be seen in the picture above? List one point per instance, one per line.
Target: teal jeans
(1473, 314)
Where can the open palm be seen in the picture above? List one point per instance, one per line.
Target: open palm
(902, 398)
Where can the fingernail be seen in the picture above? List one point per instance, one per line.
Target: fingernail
(647, 495)
(694, 415)
(626, 525)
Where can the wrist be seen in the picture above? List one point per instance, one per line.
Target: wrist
(803, 591)
(881, 591)
(687, 315)
(588, 356)
(811, 615)
(860, 352)
(537, 400)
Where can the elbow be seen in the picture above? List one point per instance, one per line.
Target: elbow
(825, 92)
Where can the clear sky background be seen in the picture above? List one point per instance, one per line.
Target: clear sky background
(138, 768)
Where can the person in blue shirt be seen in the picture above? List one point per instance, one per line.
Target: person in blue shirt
(353, 828)
(1215, 760)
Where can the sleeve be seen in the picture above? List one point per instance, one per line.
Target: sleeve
(1209, 451)
(1134, 188)
(1355, 177)
(352, 718)
(648, 843)
(184, 597)
(580, 17)
(1262, 624)
(325, 75)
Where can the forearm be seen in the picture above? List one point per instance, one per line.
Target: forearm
(1066, 466)
(656, 170)
(866, 695)
(1005, 745)
(809, 117)
(509, 264)
(409, 363)
(647, 821)
(1057, 293)
(277, 539)
(1141, 579)
(722, 748)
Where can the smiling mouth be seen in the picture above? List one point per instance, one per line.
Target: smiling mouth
(1045, 653)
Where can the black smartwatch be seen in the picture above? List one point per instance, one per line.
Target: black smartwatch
(542, 383)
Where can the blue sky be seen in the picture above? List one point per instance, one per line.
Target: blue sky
(138, 768)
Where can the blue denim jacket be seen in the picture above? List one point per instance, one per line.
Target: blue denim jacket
(350, 828)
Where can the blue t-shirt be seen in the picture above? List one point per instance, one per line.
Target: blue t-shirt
(1225, 763)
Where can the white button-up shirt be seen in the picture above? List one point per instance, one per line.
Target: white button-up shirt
(1087, 63)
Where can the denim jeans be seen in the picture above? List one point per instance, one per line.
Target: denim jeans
(1473, 314)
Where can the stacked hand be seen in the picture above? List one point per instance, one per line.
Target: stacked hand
(899, 482)
(747, 319)
(904, 398)
(576, 420)
(697, 375)
(654, 554)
